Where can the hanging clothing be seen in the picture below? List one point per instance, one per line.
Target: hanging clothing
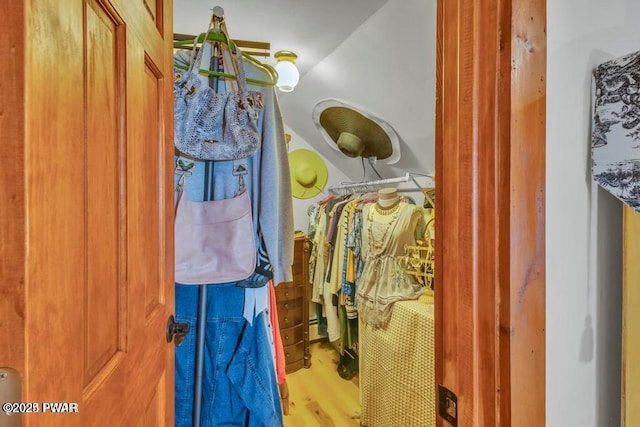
(334, 256)
(352, 267)
(267, 181)
(383, 281)
(280, 360)
(240, 386)
(313, 211)
(335, 262)
(318, 260)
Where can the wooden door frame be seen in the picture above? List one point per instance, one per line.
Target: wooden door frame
(490, 165)
(12, 190)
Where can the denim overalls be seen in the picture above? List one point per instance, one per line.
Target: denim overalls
(239, 380)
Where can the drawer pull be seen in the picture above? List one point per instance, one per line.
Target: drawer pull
(286, 337)
(286, 294)
(286, 305)
(286, 320)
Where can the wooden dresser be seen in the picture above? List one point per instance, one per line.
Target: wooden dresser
(293, 309)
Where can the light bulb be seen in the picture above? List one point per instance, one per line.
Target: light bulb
(288, 74)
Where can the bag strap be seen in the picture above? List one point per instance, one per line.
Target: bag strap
(240, 170)
(236, 61)
(195, 59)
(182, 168)
(237, 67)
(228, 68)
(233, 64)
(185, 169)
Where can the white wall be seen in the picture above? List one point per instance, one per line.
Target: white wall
(387, 68)
(584, 271)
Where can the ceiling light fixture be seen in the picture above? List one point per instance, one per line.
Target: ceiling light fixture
(288, 74)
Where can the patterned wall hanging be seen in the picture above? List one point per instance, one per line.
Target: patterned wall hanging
(615, 138)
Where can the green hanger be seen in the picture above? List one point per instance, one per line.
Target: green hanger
(217, 36)
(220, 36)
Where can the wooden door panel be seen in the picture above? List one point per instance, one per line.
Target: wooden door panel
(153, 414)
(149, 31)
(105, 283)
(144, 182)
(91, 232)
(128, 389)
(150, 5)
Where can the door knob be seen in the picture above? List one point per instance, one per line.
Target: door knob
(177, 330)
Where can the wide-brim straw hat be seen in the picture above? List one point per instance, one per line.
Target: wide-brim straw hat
(308, 173)
(356, 133)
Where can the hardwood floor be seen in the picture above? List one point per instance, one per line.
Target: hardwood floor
(319, 397)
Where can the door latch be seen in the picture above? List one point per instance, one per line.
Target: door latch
(10, 392)
(176, 330)
(448, 405)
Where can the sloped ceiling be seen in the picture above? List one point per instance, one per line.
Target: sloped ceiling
(376, 55)
(310, 28)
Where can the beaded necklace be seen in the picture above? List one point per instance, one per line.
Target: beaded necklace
(375, 243)
(388, 210)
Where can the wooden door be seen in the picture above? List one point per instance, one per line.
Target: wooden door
(86, 222)
(631, 320)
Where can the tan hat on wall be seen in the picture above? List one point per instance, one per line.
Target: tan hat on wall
(356, 133)
(308, 173)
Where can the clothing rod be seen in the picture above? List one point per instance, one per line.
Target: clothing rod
(410, 176)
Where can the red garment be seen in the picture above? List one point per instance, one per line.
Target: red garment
(277, 339)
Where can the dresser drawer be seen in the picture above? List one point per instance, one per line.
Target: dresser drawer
(290, 313)
(286, 285)
(294, 366)
(289, 293)
(296, 269)
(292, 299)
(292, 336)
(293, 353)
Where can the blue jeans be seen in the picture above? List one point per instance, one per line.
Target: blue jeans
(239, 386)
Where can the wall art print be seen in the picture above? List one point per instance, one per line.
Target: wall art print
(615, 137)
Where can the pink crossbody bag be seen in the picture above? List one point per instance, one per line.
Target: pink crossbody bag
(214, 240)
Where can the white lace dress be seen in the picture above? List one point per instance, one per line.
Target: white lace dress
(383, 281)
